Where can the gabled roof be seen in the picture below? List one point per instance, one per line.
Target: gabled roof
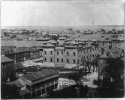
(112, 53)
(17, 83)
(5, 59)
(116, 52)
(103, 56)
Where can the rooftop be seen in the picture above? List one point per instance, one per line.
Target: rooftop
(40, 74)
(62, 38)
(103, 56)
(116, 52)
(5, 59)
(23, 92)
(17, 83)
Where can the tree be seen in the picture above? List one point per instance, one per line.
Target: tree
(114, 70)
(9, 91)
(88, 64)
(77, 76)
(9, 73)
(95, 64)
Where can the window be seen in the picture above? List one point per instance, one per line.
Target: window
(45, 52)
(103, 43)
(62, 52)
(87, 57)
(45, 59)
(74, 61)
(57, 53)
(51, 52)
(67, 60)
(78, 61)
(74, 53)
(62, 60)
(57, 60)
(51, 60)
(67, 53)
(84, 57)
(84, 51)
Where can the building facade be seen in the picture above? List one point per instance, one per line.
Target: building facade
(7, 69)
(60, 56)
(113, 53)
(37, 84)
(22, 54)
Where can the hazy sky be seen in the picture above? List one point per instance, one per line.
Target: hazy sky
(61, 13)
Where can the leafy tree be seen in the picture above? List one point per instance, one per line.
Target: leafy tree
(88, 64)
(114, 70)
(77, 76)
(9, 91)
(9, 73)
(95, 63)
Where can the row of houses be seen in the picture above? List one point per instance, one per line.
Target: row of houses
(21, 54)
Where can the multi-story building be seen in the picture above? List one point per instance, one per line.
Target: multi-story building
(59, 56)
(105, 44)
(73, 55)
(113, 53)
(63, 56)
(22, 54)
(48, 54)
(37, 84)
(7, 68)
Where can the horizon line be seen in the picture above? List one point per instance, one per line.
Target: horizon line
(62, 26)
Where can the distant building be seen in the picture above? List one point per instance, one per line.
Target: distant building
(106, 44)
(61, 40)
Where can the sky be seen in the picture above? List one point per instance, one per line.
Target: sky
(61, 13)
